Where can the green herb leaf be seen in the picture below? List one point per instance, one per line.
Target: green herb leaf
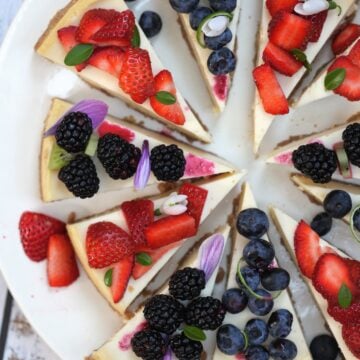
(135, 41)
(194, 333)
(108, 277)
(344, 297)
(79, 54)
(333, 5)
(165, 97)
(301, 56)
(335, 78)
(157, 212)
(144, 259)
(92, 145)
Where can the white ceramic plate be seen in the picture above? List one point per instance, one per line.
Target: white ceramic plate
(76, 320)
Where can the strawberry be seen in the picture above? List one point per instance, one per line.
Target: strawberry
(274, 6)
(317, 24)
(281, 60)
(136, 77)
(138, 214)
(35, 231)
(354, 266)
(350, 88)
(351, 335)
(109, 59)
(170, 229)
(196, 197)
(308, 248)
(354, 54)
(345, 38)
(289, 31)
(345, 316)
(106, 244)
(118, 32)
(120, 277)
(62, 269)
(271, 94)
(164, 82)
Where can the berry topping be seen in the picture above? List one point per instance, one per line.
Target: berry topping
(337, 203)
(280, 323)
(184, 6)
(252, 223)
(351, 138)
(261, 306)
(324, 347)
(151, 23)
(121, 274)
(235, 300)
(230, 340)
(256, 331)
(223, 5)
(251, 277)
(274, 6)
(109, 59)
(258, 253)
(221, 61)
(198, 15)
(185, 348)
(321, 223)
(149, 345)
(275, 279)
(354, 54)
(345, 38)
(317, 24)
(351, 335)
(282, 349)
(257, 352)
(347, 315)
(217, 42)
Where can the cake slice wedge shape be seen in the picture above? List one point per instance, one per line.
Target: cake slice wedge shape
(50, 47)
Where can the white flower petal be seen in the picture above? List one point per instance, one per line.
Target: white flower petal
(215, 26)
(311, 7)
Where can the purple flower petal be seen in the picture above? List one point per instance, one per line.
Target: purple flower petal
(143, 170)
(96, 110)
(168, 355)
(211, 251)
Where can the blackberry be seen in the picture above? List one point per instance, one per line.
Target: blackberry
(351, 138)
(73, 132)
(80, 177)
(164, 313)
(186, 284)
(186, 349)
(149, 345)
(167, 162)
(207, 313)
(315, 161)
(119, 158)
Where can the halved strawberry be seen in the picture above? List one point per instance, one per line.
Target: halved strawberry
(354, 266)
(289, 31)
(271, 94)
(170, 229)
(317, 24)
(345, 316)
(35, 231)
(121, 274)
(351, 335)
(106, 244)
(109, 59)
(345, 38)
(274, 6)
(138, 214)
(354, 54)
(307, 248)
(164, 82)
(350, 88)
(281, 60)
(62, 269)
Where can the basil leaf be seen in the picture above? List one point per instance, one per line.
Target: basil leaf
(333, 5)
(79, 54)
(334, 78)
(165, 97)
(144, 259)
(344, 297)
(194, 333)
(157, 212)
(135, 41)
(301, 56)
(108, 277)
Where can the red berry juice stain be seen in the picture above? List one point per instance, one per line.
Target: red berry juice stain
(220, 87)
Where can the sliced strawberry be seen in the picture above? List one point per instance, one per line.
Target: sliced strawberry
(281, 60)
(136, 77)
(106, 244)
(345, 316)
(196, 197)
(107, 127)
(354, 54)
(170, 229)
(109, 59)
(350, 88)
(120, 277)
(62, 269)
(138, 214)
(289, 31)
(354, 266)
(35, 231)
(345, 38)
(271, 94)
(317, 24)
(164, 82)
(274, 6)
(351, 335)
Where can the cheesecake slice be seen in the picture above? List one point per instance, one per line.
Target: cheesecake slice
(217, 188)
(287, 227)
(247, 201)
(119, 347)
(198, 163)
(50, 47)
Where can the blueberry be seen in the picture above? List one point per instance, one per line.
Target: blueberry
(151, 23)
(235, 300)
(261, 307)
(280, 323)
(223, 5)
(258, 253)
(283, 349)
(324, 347)
(230, 340)
(356, 219)
(257, 331)
(217, 42)
(256, 352)
(252, 223)
(337, 203)
(198, 15)
(251, 277)
(322, 223)
(184, 6)
(275, 279)
(221, 62)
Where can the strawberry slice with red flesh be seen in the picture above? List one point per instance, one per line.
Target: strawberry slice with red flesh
(308, 248)
(271, 94)
(347, 315)
(173, 112)
(317, 24)
(196, 197)
(281, 60)
(289, 31)
(121, 273)
(109, 59)
(138, 214)
(62, 269)
(35, 231)
(274, 6)
(354, 54)
(106, 244)
(350, 87)
(354, 266)
(351, 336)
(345, 38)
(170, 229)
